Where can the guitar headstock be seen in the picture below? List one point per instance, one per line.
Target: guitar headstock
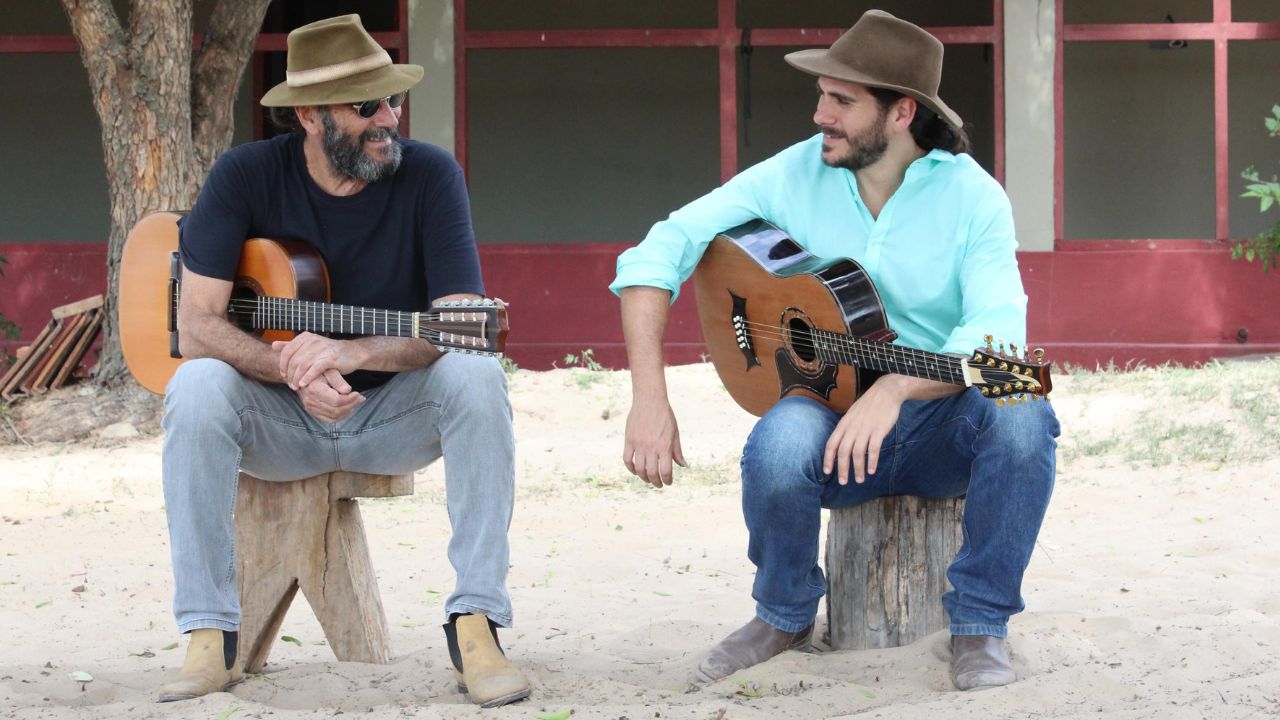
(1005, 376)
(473, 327)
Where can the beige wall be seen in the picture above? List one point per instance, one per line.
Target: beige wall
(431, 46)
(1028, 119)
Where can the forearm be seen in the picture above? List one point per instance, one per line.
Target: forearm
(394, 354)
(905, 387)
(644, 320)
(207, 336)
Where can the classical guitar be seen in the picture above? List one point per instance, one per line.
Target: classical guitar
(281, 289)
(779, 321)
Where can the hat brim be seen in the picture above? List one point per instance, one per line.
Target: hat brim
(819, 62)
(379, 83)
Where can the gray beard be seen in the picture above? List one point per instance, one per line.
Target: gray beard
(346, 152)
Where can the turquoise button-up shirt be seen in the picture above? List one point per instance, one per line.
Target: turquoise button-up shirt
(941, 253)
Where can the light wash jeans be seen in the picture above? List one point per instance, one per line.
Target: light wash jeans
(218, 422)
(1001, 459)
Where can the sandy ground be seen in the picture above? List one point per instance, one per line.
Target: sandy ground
(1154, 593)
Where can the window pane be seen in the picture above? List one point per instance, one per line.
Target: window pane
(1139, 141)
(1252, 69)
(1110, 11)
(782, 101)
(285, 15)
(826, 14)
(588, 14)
(1255, 11)
(51, 190)
(577, 146)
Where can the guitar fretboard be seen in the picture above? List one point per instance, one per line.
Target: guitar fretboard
(884, 357)
(305, 315)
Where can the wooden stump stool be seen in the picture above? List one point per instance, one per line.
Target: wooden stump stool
(887, 570)
(308, 534)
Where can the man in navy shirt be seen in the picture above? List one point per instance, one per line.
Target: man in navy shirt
(391, 218)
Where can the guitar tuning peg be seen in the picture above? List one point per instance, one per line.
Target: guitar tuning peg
(999, 402)
(1002, 347)
(986, 391)
(1023, 399)
(1013, 349)
(1039, 353)
(987, 338)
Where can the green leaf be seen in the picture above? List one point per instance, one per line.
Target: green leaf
(80, 676)
(7, 582)
(46, 603)
(867, 693)
(558, 715)
(227, 714)
(1267, 202)
(1248, 255)
(292, 639)
(659, 593)
(170, 646)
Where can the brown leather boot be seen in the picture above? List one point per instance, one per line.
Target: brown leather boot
(482, 670)
(979, 661)
(749, 645)
(210, 666)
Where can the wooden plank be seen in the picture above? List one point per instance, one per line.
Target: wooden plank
(886, 568)
(25, 366)
(24, 358)
(58, 353)
(51, 355)
(77, 307)
(78, 351)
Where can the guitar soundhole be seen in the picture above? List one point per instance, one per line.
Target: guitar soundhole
(802, 339)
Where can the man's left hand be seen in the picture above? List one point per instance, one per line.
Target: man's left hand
(857, 438)
(308, 356)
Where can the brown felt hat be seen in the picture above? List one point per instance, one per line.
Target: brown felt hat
(336, 61)
(882, 51)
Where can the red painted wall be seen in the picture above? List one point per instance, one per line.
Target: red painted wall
(1125, 304)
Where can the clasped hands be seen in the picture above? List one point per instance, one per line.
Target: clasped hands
(313, 365)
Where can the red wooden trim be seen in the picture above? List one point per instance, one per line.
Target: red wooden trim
(997, 69)
(1174, 31)
(1157, 245)
(507, 39)
(38, 44)
(726, 18)
(1058, 157)
(819, 37)
(1221, 113)
(460, 130)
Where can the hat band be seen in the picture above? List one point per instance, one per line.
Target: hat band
(346, 68)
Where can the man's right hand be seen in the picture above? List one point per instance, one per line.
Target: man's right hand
(329, 398)
(652, 442)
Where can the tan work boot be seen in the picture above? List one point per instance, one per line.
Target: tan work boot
(482, 670)
(210, 666)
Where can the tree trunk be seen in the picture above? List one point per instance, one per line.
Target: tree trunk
(165, 113)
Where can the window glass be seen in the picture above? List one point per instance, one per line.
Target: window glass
(588, 14)
(1110, 11)
(1251, 67)
(588, 145)
(827, 14)
(1138, 145)
(781, 101)
(1255, 10)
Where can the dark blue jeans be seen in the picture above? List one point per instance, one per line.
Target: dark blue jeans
(1001, 458)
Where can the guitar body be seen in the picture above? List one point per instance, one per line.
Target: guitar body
(148, 299)
(760, 295)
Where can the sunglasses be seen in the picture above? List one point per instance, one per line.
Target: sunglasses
(369, 108)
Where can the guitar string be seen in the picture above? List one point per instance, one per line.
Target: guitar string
(846, 347)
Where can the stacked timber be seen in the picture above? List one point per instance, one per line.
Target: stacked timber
(53, 357)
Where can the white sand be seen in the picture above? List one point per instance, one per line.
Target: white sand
(1155, 592)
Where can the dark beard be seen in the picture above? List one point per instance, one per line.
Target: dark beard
(866, 148)
(346, 153)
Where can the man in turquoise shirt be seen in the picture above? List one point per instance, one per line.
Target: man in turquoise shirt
(889, 183)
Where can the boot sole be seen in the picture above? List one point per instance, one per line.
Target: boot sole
(500, 701)
(180, 698)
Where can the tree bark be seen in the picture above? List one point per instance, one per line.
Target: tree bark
(165, 113)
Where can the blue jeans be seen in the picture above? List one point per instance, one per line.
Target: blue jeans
(218, 422)
(1001, 458)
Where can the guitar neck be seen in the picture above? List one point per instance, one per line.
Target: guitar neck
(272, 313)
(884, 357)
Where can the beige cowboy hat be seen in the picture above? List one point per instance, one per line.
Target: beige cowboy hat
(882, 51)
(336, 61)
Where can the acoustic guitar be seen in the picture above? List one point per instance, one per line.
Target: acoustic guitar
(281, 289)
(780, 321)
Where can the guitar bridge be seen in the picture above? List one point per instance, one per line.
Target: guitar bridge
(742, 330)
